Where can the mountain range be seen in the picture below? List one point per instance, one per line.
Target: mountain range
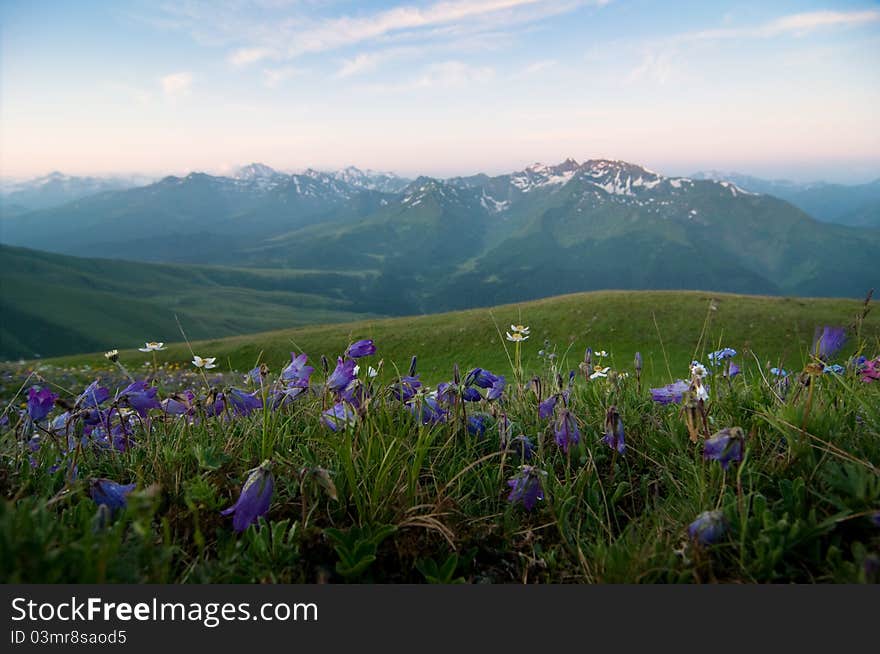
(428, 245)
(844, 204)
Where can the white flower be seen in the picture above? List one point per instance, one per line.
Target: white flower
(356, 369)
(113, 355)
(702, 392)
(372, 372)
(600, 354)
(519, 329)
(516, 337)
(600, 372)
(698, 370)
(152, 347)
(207, 363)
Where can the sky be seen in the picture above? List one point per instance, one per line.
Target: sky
(770, 88)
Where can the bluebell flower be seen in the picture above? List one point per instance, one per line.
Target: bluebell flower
(297, 372)
(93, 396)
(565, 430)
(525, 487)
(487, 380)
(835, 369)
(476, 425)
(40, 403)
(828, 342)
(427, 410)
(342, 375)
(339, 416)
(614, 435)
(181, 404)
(254, 500)
(140, 397)
(779, 372)
(638, 362)
(726, 446)
(406, 387)
(545, 408)
(470, 394)
(521, 445)
(671, 393)
(360, 349)
(242, 402)
(109, 493)
(708, 527)
(721, 355)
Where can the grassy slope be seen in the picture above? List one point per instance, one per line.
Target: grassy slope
(618, 321)
(54, 304)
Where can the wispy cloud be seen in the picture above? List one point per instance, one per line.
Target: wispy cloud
(177, 84)
(793, 24)
(364, 62)
(449, 74)
(289, 30)
(539, 66)
(274, 77)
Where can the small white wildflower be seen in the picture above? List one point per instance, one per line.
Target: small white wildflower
(599, 371)
(207, 363)
(372, 372)
(600, 354)
(519, 329)
(113, 355)
(516, 337)
(152, 347)
(698, 370)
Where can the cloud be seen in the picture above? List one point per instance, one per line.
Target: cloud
(655, 66)
(273, 77)
(247, 56)
(284, 31)
(538, 66)
(449, 74)
(796, 24)
(362, 63)
(177, 84)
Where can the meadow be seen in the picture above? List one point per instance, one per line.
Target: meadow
(605, 437)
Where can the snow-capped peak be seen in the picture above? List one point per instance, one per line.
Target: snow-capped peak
(255, 171)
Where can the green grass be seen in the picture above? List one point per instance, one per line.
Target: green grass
(776, 330)
(390, 499)
(54, 304)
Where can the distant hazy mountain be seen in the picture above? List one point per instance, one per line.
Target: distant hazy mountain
(438, 244)
(56, 189)
(857, 204)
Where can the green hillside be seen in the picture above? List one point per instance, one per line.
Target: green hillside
(620, 322)
(54, 304)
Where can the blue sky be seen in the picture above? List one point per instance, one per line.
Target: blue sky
(782, 89)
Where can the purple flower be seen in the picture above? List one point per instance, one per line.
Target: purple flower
(180, 404)
(523, 446)
(497, 388)
(339, 416)
(405, 389)
(726, 446)
(242, 402)
(109, 493)
(469, 394)
(545, 408)
(297, 372)
(733, 370)
(40, 402)
(342, 376)
(638, 362)
(485, 379)
(721, 355)
(255, 498)
(614, 436)
(565, 430)
(828, 342)
(476, 425)
(525, 487)
(360, 349)
(93, 396)
(708, 527)
(427, 411)
(140, 397)
(671, 393)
